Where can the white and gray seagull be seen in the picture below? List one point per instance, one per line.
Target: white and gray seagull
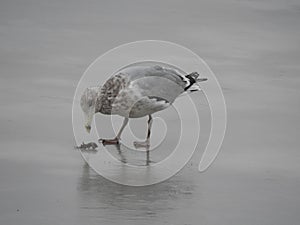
(136, 92)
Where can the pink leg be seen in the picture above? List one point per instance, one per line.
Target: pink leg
(116, 140)
(146, 143)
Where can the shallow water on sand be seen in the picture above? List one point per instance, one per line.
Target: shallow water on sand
(252, 46)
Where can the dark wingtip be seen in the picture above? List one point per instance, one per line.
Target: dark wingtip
(193, 75)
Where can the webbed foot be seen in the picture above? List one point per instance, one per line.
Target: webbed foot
(114, 141)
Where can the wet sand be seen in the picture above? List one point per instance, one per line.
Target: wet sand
(252, 46)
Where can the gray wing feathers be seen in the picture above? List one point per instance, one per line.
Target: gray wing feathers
(139, 72)
(156, 81)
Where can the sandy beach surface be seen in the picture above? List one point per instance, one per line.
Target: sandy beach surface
(253, 48)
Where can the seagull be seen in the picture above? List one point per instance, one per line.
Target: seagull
(134, 92)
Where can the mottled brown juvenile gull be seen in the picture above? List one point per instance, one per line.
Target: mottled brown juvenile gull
(135, 92)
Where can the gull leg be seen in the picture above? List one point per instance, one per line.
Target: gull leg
(123, 159)
(145, 143)
(117, 138)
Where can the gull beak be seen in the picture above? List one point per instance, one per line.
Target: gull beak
(88, 128)
(88, 122)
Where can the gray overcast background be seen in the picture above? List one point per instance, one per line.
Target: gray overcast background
(253, 48)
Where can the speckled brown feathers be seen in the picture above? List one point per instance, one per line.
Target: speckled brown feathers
(109, 92)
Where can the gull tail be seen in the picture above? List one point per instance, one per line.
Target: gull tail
(193, 80)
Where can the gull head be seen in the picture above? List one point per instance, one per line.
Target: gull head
(88, 103)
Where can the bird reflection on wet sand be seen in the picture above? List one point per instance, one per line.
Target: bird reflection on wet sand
(101, 198)
(124, 154)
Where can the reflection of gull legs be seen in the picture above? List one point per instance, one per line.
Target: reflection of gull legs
(148, 157)
(145, 143)
(123, 159)
(117, 138)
